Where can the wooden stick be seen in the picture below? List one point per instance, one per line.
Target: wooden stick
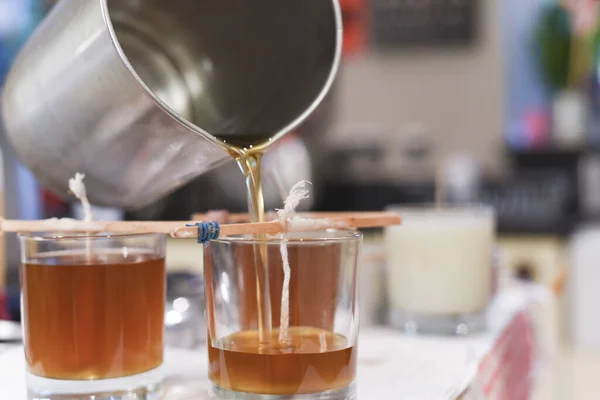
(559, 282)
(333, 220)
(69, 225)
(243, 217)
(178, 229)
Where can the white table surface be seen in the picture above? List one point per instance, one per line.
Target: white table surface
(391, 366)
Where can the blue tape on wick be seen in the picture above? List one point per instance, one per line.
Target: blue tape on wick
(207, 231)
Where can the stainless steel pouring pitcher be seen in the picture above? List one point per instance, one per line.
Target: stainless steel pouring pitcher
(140, 94)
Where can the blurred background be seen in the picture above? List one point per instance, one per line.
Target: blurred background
(498, 101)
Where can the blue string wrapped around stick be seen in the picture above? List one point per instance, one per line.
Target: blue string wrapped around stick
(207, 231)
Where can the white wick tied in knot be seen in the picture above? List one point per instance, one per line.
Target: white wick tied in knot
(298, 193)
(77, 187)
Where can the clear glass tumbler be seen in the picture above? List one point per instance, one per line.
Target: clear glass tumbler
(93, 316)
(310, 353)
(439, 272)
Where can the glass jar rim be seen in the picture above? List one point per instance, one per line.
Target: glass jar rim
(441, 208)
(53, 236)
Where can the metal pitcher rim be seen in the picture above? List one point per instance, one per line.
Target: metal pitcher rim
(195, 128)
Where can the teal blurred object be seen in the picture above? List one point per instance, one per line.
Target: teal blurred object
(554, 40)
(528, 101)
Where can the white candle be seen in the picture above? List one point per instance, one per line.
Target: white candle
(439, 260)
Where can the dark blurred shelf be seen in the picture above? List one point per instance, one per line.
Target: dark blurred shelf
(546, 177)
(374, 196)
(553, 151)
(532, 203)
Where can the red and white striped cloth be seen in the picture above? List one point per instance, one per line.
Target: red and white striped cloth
(505, 373)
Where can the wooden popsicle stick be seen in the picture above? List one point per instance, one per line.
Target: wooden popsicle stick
(243, 217)
(271, 227)
(559, 282)
(68, 225)
(178, 229)
(232, 218)
(334, 220)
